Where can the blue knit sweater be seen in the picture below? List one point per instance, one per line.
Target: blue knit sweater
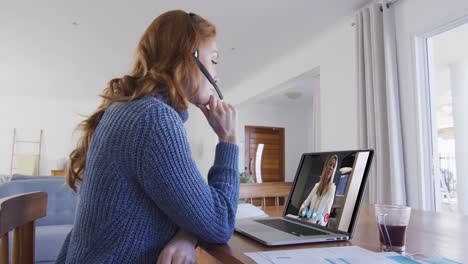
(141, 184)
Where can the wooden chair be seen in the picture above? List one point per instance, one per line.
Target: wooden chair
(19, 213)
(264, 190)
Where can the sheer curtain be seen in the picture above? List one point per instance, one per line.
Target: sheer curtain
(378, 103)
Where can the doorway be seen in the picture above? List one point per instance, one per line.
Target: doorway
(264, 153)
(444, 78)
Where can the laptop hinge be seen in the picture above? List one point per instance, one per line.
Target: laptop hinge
(322, 228)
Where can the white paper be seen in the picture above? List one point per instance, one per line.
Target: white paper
(330, 255)
(249, 211)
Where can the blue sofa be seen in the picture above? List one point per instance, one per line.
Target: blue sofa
(52, 229)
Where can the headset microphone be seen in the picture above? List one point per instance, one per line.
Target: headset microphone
(207, 74)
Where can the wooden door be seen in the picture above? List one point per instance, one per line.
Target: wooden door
(272, 165)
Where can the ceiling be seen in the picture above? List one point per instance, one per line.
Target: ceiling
(304, 86)
(450, 46)
(73, 48)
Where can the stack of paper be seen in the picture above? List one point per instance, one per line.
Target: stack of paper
(337, 255)
(247, 211)
(331, 255)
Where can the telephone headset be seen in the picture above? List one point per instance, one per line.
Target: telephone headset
(200, 65)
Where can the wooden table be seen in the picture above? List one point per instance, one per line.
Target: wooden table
(430, 234)
(57, 172)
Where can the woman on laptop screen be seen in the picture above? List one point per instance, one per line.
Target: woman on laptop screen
(316, 208)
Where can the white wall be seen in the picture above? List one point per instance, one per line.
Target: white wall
(292, 118)
(202, 140)
(415, 18)
(298, 133)
(58, 117)
(333, 51)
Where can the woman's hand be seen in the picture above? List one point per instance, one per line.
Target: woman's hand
(300, 210)
(180, 249)
(222, 117)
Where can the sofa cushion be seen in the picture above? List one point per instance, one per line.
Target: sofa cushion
(21, 177)
(49, 241)
(61, 201)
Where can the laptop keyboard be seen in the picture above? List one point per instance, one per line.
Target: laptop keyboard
(291, 228)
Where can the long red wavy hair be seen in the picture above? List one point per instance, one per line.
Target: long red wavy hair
(163, 65)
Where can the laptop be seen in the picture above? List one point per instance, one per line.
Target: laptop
(323, 203)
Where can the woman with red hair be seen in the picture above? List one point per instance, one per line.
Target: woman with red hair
(141, 196)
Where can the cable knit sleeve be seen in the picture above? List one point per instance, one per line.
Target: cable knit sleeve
(169, 175)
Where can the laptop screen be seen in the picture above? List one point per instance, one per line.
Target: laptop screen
(328, 188)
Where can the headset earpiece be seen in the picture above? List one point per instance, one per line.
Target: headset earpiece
(202, 68)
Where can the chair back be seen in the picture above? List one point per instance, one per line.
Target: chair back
(264, 190)
(61, 200)
(19, 213)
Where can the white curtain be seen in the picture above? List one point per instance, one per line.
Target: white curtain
(378, 102)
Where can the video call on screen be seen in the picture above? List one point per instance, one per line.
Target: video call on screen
(327, 188)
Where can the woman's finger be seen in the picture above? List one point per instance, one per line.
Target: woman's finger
(164, 258)
(226, 107)
(213, 102)
(177, 259)
(232, 108)
(219, 105)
